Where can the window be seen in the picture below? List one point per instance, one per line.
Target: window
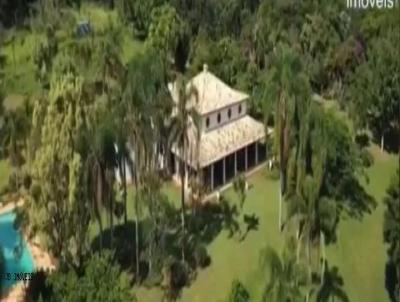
(219, 118)
(229, 113)
(240, 109)
(207, 122)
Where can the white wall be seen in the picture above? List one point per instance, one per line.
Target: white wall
(213, 117)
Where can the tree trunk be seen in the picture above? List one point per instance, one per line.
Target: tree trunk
(101, 230)
(124, 190)
(183, 175)
(137, 217)
(111, 199)
(298, 249)
(323, 257)
(309, 257)
(280, 204)
(382, 142)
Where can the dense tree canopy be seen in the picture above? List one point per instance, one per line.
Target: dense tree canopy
(59, 199)
(375, 90)
(103, 115)
(100, 281)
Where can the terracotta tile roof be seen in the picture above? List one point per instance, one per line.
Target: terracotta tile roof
(222, 141)
(213, 93)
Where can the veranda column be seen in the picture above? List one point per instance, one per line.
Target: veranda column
(256, 143)
(223, 171)
(212, 176)
(245, 158)
(235, 171)
(187, 171)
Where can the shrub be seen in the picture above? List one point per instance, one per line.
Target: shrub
(177, 276)
(12, 182)
(37, 287)
(102, 280)
(201, 256)
(366, 158)
(35, 191)
(362, 140)
(272, 174)
(4, 190)
(27, 180)
(238, 292)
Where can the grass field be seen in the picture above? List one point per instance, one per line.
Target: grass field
(5, 170)
(359, 253)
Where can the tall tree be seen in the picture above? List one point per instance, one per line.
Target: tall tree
(147, 106)
(59, 210)
(374, 90)
(391, 236)
(102, 280)
(181, 123)
(166, 35)
(139, 13)
(287, 91)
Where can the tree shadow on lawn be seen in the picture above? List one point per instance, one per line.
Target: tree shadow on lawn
(202, 228)
(252, 222)
(391, 280)
(359, 202)
(332, 287)
(123, 244)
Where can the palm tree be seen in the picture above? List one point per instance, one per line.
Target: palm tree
(123, 157)
(332, 287)
(239, 186)
(144, 101)
(197, 186)
(102, 161)
(180, 124)
(287, 87)
(286, 278)
(314, 212)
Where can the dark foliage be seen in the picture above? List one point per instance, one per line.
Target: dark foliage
(391, 236)
(100, 280)
(37, 287)
(238, 292)
(201, 256)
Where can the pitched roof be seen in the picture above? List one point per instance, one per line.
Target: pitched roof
(222, 141)
(212, 93)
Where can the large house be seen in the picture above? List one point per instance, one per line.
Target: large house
(229, 142)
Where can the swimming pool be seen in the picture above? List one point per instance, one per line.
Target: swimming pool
(9, 239)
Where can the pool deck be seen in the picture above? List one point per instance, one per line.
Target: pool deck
(11, 206)
(42, 260)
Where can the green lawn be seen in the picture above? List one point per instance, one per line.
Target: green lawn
(5, 170)
(230, 257)
(169, 189)
(359, 252)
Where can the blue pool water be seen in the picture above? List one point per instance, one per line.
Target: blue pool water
(9, 239)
